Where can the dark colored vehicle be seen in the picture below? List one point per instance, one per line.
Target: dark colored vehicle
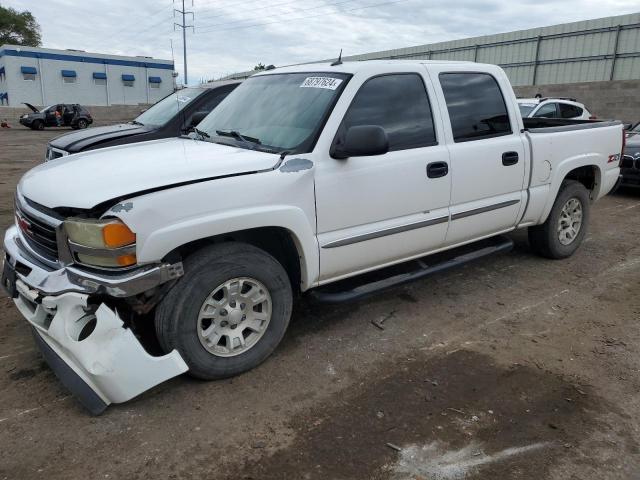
(172, 116)
(630, 165)
(69, 115)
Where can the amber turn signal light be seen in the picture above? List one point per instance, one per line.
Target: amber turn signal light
(117, 235)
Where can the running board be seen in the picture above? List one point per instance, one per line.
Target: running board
(496, 245)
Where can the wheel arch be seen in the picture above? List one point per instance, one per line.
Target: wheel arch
(279, 242)
(586, 172)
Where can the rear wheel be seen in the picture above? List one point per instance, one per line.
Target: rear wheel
(228, 313)
(565, 228)
(82, 123)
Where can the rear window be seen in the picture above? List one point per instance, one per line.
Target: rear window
(569, 111)
(476, 106)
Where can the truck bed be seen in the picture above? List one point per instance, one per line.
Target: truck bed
(563, 124)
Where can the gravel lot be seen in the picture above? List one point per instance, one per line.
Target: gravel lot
(511, 367)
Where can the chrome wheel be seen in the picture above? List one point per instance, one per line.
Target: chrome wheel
(570, 221)
(234, 316)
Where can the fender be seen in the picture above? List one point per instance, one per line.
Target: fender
(561, 171)
(167, 219)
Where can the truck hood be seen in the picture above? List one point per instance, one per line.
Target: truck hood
(81, 139)
(87, 179)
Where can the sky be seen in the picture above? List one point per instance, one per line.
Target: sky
(235, 35)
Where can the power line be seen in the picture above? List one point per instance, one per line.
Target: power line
(301, 18)
(284, 13)
(117, 32)
(250, 10)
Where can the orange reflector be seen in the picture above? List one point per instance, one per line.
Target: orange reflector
(126, 260)
(117, 235)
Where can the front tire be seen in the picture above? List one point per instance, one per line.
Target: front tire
(228, 313)
(37, 125)
(562, 234)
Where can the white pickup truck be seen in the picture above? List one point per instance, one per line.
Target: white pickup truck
(134, 264)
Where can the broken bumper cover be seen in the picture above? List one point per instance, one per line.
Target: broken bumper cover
(92, 353)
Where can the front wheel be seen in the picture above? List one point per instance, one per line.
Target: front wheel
(38, 125)
(565, 228)
(228, 313)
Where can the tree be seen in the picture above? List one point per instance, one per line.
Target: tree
(19, 28)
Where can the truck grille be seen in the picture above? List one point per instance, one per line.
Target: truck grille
(40, 236)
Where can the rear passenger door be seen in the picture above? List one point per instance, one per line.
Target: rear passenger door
(380, 209)
(487, 154)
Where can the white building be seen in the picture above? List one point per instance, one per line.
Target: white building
(43, 76)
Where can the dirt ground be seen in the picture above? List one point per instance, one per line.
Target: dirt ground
(513, 367)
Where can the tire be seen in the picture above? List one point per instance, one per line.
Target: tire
(38, 125)
(545, 239)
(82, 123)
(178, 319)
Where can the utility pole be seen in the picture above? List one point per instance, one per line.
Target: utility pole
(184, 27)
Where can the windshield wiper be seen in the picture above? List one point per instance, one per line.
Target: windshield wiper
(203, 134)
(251, 141)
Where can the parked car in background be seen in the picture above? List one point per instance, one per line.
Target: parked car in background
(302, 177)
(630, 164)
(553, 108)
(58, 115)
(170, 117)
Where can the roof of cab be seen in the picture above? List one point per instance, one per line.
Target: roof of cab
(357, 66)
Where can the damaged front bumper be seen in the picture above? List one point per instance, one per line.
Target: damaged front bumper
(92, 353)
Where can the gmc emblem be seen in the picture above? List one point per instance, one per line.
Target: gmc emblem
(23, 224)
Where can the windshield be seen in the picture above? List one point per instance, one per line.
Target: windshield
(275, 112)
(167, 108)
(526, 109)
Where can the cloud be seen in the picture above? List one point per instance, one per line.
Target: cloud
(234, 35)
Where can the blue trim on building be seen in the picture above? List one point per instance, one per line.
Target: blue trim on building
(155, 80)
(69, 73)
(84, 59)
(32, 70)
(99, 75)
(126, 77)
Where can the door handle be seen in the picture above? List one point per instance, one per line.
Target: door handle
(509, 158)
(437, 169)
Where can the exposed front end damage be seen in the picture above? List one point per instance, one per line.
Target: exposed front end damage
(85, 341)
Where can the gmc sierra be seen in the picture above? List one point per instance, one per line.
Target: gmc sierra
(302, 177)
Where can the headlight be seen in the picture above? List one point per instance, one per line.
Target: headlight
(102, 243)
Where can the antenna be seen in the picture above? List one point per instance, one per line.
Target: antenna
(338, 61)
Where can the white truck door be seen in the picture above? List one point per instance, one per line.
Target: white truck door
(378, 210)
(486, 149)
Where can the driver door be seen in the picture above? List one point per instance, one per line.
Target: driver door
(382, 209)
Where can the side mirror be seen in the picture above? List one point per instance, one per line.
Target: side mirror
(361, 141)
(197, 117)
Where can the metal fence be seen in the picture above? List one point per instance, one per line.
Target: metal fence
(588, 51)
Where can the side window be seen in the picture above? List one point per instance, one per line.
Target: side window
(212, 101)
(548, 110)
(399, 104)
(569, 111)
(476, 106)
